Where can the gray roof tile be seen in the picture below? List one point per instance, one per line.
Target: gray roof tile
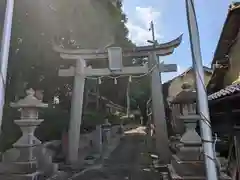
(225, 92)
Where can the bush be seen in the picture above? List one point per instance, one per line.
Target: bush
(91, 120)
(56, 120)
(114, 119)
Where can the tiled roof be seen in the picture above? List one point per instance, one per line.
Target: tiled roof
(225, 92)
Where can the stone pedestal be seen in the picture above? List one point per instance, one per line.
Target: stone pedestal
(21, 162)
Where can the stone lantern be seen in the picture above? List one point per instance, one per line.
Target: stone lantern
(185, 102)
(187, 160)
(28, 122)
(188, 148)
(21, 163)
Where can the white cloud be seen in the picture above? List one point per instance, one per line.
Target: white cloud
(139, 24)
(138, 34)
(146, 15)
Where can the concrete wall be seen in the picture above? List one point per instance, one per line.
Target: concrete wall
(234, 67)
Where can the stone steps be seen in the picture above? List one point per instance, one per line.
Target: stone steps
(188, 168)
(173, 175)
(31, 176)
(18, 167)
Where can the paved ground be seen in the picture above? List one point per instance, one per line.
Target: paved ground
(129, 161)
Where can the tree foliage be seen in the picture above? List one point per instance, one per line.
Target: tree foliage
(33, 63)
(140, 93)
(74, 23)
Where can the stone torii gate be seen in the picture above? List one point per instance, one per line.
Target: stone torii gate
(114, 56)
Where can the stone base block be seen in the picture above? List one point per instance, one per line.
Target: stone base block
(189, 154)
(188, 168)
(18, 167)
(32, 176)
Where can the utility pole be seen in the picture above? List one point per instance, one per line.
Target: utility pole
(5, 45)
(153, 33)
(202, 101)
(158, 105)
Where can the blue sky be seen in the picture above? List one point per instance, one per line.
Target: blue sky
(170, 21)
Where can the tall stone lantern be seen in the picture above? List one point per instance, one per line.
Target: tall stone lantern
(28, 122)
(185, 103)
(187, 161)
(24, 165)
(189, 147)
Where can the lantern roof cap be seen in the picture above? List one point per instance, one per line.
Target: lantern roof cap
(187, 96)
(30, 101)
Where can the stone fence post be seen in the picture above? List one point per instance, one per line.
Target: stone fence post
(106, 128)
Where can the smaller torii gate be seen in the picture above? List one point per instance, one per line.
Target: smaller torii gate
(114, 56)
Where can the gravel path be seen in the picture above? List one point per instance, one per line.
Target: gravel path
(129, 161)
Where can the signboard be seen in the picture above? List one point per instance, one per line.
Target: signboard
(168, 67)
(115, 58)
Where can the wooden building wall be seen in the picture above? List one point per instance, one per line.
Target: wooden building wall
(233, 71)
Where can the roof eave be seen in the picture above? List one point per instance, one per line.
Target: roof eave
(224, 29)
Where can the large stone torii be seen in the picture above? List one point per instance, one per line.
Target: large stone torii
(114, 56)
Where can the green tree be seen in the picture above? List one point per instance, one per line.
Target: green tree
(32, 62)
(140, 93)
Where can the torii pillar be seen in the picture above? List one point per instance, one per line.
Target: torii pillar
(81, 71)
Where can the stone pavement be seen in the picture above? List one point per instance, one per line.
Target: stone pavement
(130, 160)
